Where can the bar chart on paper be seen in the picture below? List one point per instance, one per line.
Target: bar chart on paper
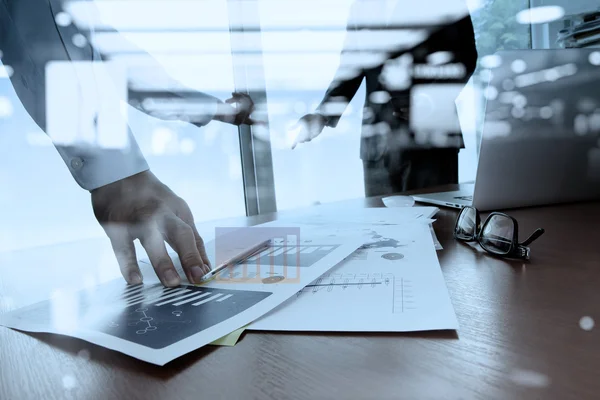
(156, 316)
(281, 258)
(153, 315)
(393, 283)
(303, 254)
(278, 262)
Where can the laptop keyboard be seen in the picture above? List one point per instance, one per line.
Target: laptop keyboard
(465, 198)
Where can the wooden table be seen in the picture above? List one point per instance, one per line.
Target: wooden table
(520, 336)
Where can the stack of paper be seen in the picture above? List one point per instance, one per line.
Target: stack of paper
(393, 283)
(348, 270)
(158, 324)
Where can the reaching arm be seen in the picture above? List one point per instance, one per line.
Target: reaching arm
(128, 201)
(343, 88)
(457, 37)
(468, 52)
(29, 39)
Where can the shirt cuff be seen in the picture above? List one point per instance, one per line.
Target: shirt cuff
(93, 166)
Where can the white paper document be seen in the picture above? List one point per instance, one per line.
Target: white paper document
(158, 324)
(436, 242)
(393, 283)
(329, 216)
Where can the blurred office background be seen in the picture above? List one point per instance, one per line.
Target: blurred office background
(284, 52)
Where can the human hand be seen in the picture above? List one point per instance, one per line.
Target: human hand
(307, 128)
(236, 110)
(142, 207)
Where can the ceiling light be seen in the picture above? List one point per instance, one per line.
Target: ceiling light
(540, 15)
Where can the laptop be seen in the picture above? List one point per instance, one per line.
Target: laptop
(541, 132)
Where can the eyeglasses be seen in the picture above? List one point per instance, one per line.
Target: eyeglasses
(498, 235)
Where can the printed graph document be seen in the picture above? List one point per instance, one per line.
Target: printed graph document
(329, 215)
(392, 283)
(158, 324)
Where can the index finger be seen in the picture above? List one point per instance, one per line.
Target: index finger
(200, 246)
(189, 220)
(181, 238)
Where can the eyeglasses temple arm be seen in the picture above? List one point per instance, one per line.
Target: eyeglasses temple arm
(538, 232)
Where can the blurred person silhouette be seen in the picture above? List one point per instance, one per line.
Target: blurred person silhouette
(128, 200)
(412, 40)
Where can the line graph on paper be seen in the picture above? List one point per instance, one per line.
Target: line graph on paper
(375, 289)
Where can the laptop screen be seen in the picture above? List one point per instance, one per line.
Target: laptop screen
(540, 142)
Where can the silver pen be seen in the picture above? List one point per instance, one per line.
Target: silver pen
(236, 259)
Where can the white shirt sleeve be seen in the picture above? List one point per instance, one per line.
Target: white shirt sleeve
(87, 121)
(93, 167)
(78, 99)
(93, 159)
(101, 163)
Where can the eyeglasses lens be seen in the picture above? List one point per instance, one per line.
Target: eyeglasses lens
(497, 234)
(466, 227)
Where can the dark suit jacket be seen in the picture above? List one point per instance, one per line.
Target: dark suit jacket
(30, 39)
(457, 37)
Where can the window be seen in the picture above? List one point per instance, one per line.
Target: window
(497, 28)
(301, 51)
(283, 52)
